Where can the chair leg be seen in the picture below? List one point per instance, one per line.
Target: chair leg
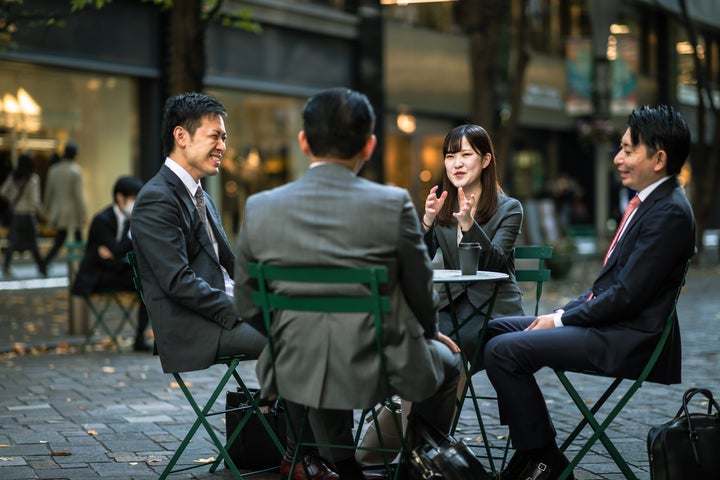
(99, 319)
(201, 419)
(126, 314)
(599, 428)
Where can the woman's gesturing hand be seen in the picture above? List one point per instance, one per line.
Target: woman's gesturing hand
(433, 204)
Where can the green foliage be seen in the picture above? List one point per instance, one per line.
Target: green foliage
(239, 18)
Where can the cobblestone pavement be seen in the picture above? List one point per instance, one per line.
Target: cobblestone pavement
(69, 413)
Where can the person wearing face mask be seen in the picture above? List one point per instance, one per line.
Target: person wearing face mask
(104, 266)
(473, 208)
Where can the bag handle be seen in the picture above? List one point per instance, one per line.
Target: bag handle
(687, 396)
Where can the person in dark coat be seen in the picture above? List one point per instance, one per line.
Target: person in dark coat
(104, 266)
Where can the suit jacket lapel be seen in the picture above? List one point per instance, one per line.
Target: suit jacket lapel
(662, 191)
(196, 224)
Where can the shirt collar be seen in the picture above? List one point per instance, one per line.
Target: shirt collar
(645, 192)
(190, 184)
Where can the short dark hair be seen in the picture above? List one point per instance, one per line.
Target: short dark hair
(338, 122)
(187, 110)
(661, 128)
(71, 150)
(127, 186)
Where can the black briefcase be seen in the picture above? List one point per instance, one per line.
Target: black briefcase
(688, 446)
(254, 448)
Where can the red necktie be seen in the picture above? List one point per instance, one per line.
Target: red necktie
(634, 203)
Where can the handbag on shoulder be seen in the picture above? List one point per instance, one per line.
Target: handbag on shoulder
(437, 455)
(687, 446)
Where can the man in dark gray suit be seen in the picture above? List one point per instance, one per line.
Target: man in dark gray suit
(185, 260)
(333, 218)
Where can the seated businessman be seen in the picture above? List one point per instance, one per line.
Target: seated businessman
(104, 266)
(613, 327)
(331, 217)
(184, 257)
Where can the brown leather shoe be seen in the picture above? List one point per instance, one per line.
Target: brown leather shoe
(317, 467)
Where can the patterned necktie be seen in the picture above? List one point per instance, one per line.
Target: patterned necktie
(202, 210)
(634, 203)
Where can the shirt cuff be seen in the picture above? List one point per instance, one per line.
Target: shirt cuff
(557, 317)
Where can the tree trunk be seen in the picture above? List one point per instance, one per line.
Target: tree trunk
(503, 146)
(483, 21)
(706, 167)
(185, 48)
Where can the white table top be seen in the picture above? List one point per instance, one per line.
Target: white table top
(454, 276)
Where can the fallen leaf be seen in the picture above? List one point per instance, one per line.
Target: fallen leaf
(60, 454)
(4, 445)
(204, 460)
(91, 432)
(153, 460)
(18, 348)
(175, 384)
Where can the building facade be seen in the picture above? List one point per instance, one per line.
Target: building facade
(97, 81)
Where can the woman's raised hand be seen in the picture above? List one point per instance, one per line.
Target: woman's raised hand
(464, 213)
(433, 204)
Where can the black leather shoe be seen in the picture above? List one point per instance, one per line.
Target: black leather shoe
(515, 466)
(542, 471)
(317, 467)
(375, 474)
(141, 347)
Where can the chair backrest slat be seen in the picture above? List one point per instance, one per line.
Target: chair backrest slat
(537, 275)
(373, 303)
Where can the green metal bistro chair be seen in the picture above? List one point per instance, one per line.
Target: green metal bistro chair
(100, 303)
(589, 414)
(537, 275)
(374, 303)
(202, 414)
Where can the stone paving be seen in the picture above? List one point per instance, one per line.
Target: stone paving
(73, 413)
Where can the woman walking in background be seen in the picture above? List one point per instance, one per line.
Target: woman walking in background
(22, 189)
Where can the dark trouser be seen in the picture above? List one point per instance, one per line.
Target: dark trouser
(59, 241)
(512, 357)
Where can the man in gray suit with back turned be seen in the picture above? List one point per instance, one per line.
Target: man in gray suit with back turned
(333, 218)
(185, 261)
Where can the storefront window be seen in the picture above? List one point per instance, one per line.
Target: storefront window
(262, 149)
(97, 111)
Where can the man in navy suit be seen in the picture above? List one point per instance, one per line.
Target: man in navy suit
(612, 327)
(104, 266)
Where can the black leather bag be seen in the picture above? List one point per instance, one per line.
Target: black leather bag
(254, 448)
(439, 456)
(688, 446)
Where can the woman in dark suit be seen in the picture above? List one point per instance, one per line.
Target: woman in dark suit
(473, 208)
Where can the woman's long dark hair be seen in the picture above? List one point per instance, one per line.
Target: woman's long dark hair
(481, 142)
(25, 168)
